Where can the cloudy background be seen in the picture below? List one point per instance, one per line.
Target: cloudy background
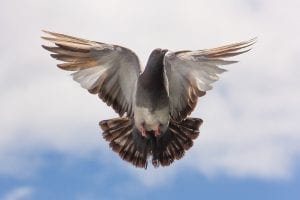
(249, 147)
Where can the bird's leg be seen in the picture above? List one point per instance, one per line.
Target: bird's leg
(143, 130)
(157, 131)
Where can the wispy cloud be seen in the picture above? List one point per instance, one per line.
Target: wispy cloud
(20, 193)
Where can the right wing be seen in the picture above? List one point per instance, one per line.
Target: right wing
(190, 74)
(110, 71)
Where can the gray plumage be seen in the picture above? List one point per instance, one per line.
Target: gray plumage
(153, 104)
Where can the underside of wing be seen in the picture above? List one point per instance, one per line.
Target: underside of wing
(191, 73)
(110, 71)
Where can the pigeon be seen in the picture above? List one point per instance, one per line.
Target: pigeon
(153, 104)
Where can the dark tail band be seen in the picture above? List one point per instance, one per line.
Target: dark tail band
(127, 141)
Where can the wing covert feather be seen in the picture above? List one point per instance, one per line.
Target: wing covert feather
(111, 71)
(191, 73)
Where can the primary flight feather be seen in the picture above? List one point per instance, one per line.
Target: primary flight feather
(154, 104)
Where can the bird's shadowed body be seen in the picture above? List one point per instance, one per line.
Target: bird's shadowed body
(151, 90)
(153, 105)
(151, 98)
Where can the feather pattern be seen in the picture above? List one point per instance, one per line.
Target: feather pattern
(127, 141)
(110, 71)
(191, 73)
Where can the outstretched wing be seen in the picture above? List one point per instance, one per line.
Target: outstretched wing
(190, 74)
(110, 71)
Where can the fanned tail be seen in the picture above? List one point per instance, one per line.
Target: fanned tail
(127, 141)
(178, 139)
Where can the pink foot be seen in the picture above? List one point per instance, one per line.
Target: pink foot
(143, 131)
(157, 132)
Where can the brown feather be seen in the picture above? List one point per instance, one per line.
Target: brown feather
(164, 150)
(74, 48)
(59, 35)
(232, 47)
(119, 133)
(78, 54)
(72, 45)
(78, 65)
(62, 51)
(226, 54)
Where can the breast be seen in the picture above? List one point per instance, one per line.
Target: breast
(151, 119)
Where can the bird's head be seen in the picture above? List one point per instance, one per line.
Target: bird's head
(157, 56)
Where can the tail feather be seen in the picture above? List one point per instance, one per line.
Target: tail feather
(119, 132)
(178, 139)
(127, 141)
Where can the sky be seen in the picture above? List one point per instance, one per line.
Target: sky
(249, 147)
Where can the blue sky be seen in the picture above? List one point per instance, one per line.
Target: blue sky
(249, 147)
(91, 179)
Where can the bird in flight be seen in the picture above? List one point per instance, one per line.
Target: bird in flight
(153, 104)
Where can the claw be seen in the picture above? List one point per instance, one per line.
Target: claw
(143, 131)
(157, 132)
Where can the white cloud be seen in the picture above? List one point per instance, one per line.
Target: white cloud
(250, 118)
(154, 177)
(20, 193)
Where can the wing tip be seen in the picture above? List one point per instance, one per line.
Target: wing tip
(51, 33)
(253, 40)
(45, 31)
(46, 38)
(48, 48)
(48, 33)
(248, 43)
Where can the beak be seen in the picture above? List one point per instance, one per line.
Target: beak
(164, 51)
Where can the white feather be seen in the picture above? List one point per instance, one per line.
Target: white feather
(87, 77)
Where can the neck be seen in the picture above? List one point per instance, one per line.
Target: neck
(153, 75)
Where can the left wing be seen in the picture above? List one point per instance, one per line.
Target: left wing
(111, 71)
(190, 74)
